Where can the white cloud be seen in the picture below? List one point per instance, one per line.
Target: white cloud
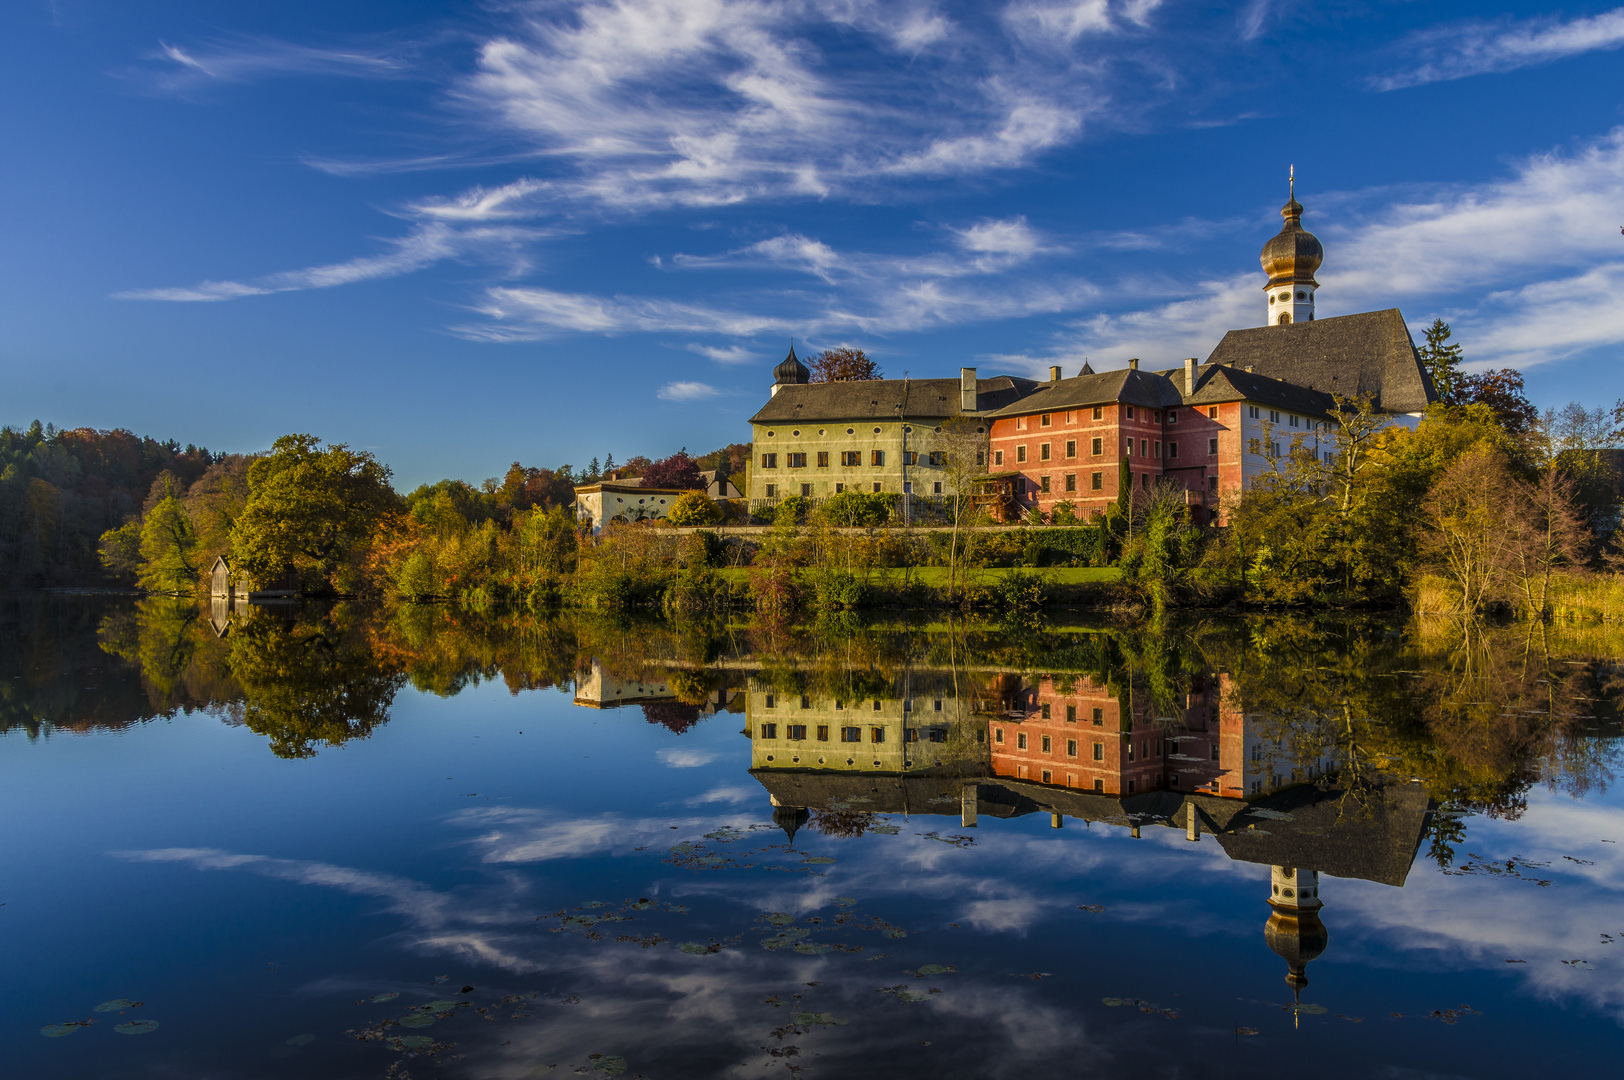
(239, 59)
(482, 204)
(423, 246)
(1459, 51)
(687, 391)
(731, 354)
(679, 757)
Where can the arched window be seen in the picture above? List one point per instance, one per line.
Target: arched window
(1285, 317)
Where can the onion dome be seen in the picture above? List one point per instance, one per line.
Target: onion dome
(1297, 936)
(1292, 256)
(791, 370)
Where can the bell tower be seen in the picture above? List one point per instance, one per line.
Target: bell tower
(1290, 259)
(1294, 930)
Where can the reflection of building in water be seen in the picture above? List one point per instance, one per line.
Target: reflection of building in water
(595, 688)
(1080, 734)
(926, 728)
(1300, 831)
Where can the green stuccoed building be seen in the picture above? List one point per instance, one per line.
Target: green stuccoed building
(889, 435)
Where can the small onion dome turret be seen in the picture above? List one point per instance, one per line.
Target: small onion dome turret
(791, 370)
(1298, 936)
(1292, 255)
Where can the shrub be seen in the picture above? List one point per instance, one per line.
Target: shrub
(694, 508)
(857, 509)
(835, 591)
(790, 512)
(1022, 592)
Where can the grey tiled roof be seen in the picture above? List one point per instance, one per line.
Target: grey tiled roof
(1147, 388)
(1352, 355)
(883, 399)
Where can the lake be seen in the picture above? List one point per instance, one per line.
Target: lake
(336, 841)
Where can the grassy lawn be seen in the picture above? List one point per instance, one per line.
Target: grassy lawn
(937, 575)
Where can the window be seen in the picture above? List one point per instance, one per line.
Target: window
(1046, 745)
(1172, 449)
(1274, 416)
(1274, 449)
(1071, 417)
(998, 735)
(981, 457)
(1172, 417)
(1292, 420)
(1096, 447)
(1212, 483)
(839, 488)
(851, 457)
(1251, 410)
(876, 457)
(997, 457)
(806, 702)
(1099, 716)
(796, 731)
(1071, 448)
(1099, 751)
(1043, 452)
(910, 734)
(772, 491)
(768, 703)
(1144, 481)
(1128, 449)
(823, 459)
(1141, 447)
(1130, 751)
(1212, 412)
(1096, 481)
(1071, 482)
(1020, 423)
(938, 458)
(1254, 446)
(823, 733)
(938, 488)
(938, 735)
(1212, 446)
(876, 706)
(938, 705)
(1099, 412)
(1099, 785)
(876, 486)
(1043, 484)
(1045, 710)
(910, 458)
(876, 734)
(1071, 714)
(806, 491)
(1048, 777)
(839, 705)
(1044, 420)
(1020, 453)
(1020, 740)
(1130, 787)
(851, 734)
(769, 461)
(1215, 756)
(769, 731)
(797, 461)
(1156, 448)
(1071, 747)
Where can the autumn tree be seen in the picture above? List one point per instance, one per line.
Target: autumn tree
(169, 561)
(677, 471)
(843, 365)
(310, 509)
(1466, 514)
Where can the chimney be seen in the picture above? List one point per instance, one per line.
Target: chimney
(1189, 374)
(1054, 374)
(967, 389)
(1133, 365)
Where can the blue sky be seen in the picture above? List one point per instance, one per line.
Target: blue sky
(461, 234)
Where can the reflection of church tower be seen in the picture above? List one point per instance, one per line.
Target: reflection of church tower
(1290, 259)
(1294, 929)
(790, 819)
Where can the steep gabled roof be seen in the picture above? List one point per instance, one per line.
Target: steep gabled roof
(883, 399)
(1352, 355)
(1130, 387)
(1215, 385)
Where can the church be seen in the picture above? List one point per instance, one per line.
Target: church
(1210, 427)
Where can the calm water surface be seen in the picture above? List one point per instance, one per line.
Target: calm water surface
(344, 843)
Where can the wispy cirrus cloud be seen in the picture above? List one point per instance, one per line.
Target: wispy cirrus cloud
(178, 69)
(424, 246)
(1480, 48)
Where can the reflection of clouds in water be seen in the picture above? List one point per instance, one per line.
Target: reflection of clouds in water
(724, 794)
(1477, 921)
(519, 835)
(685, 758)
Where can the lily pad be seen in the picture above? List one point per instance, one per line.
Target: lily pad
(136, 1027)
(56, 1031)
(813, 948)
(610, 1064)
(117, 1005)
(301, 1040)
(903, 993)
(885, 830)
(697, 948)
(1246, 1031)
(443, 1005)
(1113, 1002)
(1312, 1010)
(379, 998)
(935, 969)
(410, 1042)
(417, 1020)
(808, 1019)
(817, 859)
(778, 918)
(845, 901)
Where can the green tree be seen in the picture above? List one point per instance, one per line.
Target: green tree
(310, 510)
(120, 551)
(693, 508)
(168, 549)
(1442, 359)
